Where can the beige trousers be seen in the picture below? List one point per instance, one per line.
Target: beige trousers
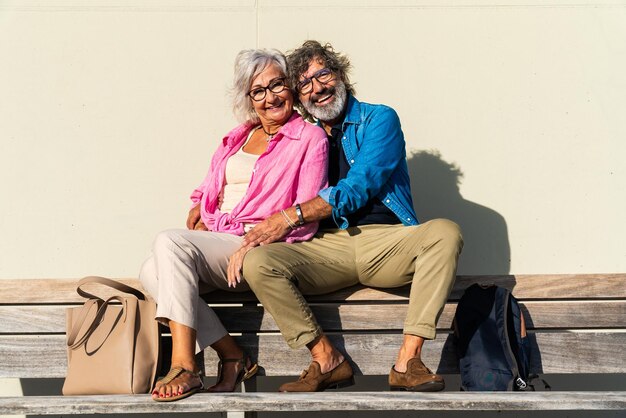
(383, 256)
(184, 265)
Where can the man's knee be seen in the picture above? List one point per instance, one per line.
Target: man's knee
(258, 264)
(447, 232)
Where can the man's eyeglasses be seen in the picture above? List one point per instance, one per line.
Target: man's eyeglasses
(322, 76)
(275, 86)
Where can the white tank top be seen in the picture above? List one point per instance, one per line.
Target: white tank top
(239, 168)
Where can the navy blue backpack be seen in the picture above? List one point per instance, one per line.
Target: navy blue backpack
(491, 342)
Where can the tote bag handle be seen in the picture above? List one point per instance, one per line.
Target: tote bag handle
(82, 316)
(107, 282)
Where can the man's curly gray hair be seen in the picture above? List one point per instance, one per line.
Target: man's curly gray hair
(298, 62)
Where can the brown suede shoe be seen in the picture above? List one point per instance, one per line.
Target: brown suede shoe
(418, 378)
(312, 380)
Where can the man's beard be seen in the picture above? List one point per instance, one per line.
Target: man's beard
(333, 110)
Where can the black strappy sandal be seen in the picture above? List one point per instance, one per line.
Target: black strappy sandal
(245, 373)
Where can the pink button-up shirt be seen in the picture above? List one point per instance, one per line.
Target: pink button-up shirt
(292, 170)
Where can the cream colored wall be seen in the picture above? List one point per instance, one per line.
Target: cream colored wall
(110, 110)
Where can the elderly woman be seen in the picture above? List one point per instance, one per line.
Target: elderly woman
(272, 161)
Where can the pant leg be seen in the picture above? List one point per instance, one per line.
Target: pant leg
(425, 255)
(183, 265)
(280, 273)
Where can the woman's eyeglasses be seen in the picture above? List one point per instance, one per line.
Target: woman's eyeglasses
(275, 86)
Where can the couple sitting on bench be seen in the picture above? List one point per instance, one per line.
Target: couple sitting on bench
(337, 197)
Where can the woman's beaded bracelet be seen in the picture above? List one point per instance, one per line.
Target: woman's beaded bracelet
(289, 221)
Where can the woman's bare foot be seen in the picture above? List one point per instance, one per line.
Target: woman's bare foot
(233, 372)
(235, 366)
(178, 381)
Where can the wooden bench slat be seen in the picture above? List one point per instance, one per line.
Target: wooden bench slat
(552, 286)
(593, 352)
(30, 319)
(49, 291)
(324, 401)
(374, 354)
(524, 287)
(332, 317)
(577, 286)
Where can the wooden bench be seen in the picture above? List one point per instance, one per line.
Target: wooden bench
(577, 325)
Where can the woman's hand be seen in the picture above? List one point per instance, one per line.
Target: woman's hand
(235, 265)
(193, 217)
(200, 226)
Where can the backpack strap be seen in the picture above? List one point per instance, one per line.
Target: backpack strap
(502, 308)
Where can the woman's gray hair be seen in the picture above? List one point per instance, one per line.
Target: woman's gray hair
(248, 64)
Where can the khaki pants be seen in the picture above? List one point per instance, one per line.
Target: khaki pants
(383, 256)
(184, 265)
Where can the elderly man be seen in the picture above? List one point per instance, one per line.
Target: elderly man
(368, 232)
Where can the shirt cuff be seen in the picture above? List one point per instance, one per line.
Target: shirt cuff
(325, 194)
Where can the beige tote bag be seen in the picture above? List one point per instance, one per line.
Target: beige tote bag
(112, 344)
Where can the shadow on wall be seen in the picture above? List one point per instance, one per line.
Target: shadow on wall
(435, 186)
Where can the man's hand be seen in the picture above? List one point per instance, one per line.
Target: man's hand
(235, 265)
(270, 230)
(193, 217)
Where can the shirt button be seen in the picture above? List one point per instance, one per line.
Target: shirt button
(352, 161)
(387, 200)
(344, 137)
(408, 219)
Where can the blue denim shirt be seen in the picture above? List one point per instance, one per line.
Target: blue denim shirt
(374, 146)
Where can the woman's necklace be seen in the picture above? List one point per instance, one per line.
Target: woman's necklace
(269, 135)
